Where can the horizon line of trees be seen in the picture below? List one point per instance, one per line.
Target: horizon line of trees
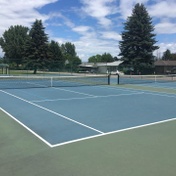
(32, 48)
(26, 48)
(105, 57)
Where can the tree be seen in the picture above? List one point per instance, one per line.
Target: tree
(173, 56)
(95, 59)
(106, 57)
(70, 56)
(36, 49)
(167, 55)
(138, 41)
(68, 49)
(13, 42)
(57, 60)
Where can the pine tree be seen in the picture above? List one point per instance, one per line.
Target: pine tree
(36, 50)
(57, 60)
(138, 41)
(167, 55)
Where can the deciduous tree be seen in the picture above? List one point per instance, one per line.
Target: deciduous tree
(12, 42)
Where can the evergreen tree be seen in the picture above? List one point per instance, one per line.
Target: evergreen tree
(57, 60)
(36, 50)
(167, 55)
(138, 41)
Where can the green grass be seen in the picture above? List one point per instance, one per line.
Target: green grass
(31, 72)
(147, 151)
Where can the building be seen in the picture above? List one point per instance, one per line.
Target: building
(4, 69)
(100, 67)
(165, 66)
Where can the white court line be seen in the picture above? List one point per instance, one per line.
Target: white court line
(47, 100)
(156, 86)
(63, 89)
(53, 112)
(51, 100)
(161, 94)
(73, 91)
(60, 99)
(82, 139)
(84, 98)
(112, 132)
(35, 134)
(148, 91)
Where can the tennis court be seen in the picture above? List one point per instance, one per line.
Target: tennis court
(81, 114)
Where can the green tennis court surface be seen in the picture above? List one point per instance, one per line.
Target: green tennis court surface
(145, 151)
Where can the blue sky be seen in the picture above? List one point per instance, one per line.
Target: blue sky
(94, 26)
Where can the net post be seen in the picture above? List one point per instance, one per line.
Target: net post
(109, 78)
(51, 82)
(118, 77)
(155, 79)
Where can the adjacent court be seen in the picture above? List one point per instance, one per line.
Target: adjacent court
(69, 115)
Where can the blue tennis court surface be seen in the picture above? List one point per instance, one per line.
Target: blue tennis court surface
(62, 115)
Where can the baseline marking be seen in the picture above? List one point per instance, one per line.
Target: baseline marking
(112, 132)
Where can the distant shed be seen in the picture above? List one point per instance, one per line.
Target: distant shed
(4, 68)
(165, 67)
(100, 67)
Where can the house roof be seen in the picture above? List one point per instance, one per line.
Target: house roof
(115, 63)
(100, 64)
(4, 65)
(165, 63)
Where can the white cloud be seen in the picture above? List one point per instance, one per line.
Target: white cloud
(164, 12)
(165, 28)
(163, 47)
(107, 15)
(94, 42)
(100, 10)
(163, 9)
(64, 20)
(111, 35)
(81, 29)
(88, 46)
(21, 12)
(126, 6)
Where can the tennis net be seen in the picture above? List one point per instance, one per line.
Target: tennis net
(17, 82)
(142, 79)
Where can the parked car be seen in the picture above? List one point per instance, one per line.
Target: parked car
(117, 72)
